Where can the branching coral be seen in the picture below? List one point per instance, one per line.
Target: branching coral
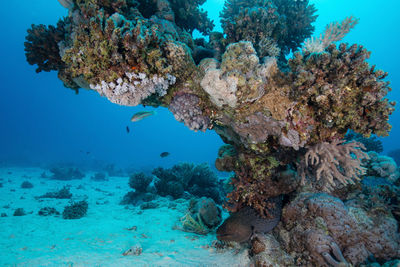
(330, 161)
(281, 25)
(340, 91)
(41, 46)
(189, 16)
(334, 32)
(198, 180)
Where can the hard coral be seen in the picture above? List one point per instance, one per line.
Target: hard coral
(76, 210)
(317, 221)
(185, 107)
(281, 24)
(382, 166)
(341, 91)
(41, 46)
(140, 181)
(189, 16)
(198, 180)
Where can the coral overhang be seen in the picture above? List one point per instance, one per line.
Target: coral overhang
(274, 113)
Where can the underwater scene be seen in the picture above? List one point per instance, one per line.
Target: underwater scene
(255, 133)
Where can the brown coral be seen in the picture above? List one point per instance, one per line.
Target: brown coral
(41, 46)
(335, 160)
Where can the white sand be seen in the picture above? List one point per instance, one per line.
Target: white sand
(100, 238)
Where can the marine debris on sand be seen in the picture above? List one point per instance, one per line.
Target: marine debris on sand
(281, 100)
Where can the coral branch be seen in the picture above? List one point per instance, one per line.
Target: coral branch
(330, 161)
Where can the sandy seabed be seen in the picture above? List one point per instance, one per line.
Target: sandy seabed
(99, 238)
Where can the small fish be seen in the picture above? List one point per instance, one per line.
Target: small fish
(142, 114)
(164, 154)
(127, 129)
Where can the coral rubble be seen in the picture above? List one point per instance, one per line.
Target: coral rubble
(282, 102)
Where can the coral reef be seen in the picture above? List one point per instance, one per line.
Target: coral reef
(198, 180)
(19, 212)
(140, 181)
(185, 108)
(48, 211)
(26, 185)
(382, 166)
(281, 25)
(282, 108)
(328, 229)
(41, 46)
(202, 216)
(334, 32)
(63, 193)
(336, 160)
(75, 210)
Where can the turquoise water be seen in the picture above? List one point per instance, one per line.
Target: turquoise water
(43, 122)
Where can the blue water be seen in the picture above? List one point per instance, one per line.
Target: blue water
(42, 122)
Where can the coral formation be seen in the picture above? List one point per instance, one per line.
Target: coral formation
(202, 216)
(75, 210)
(382, 166)
(280, 24)
(26, 185)
(198, 180)
(185, 108)
(336, 160)
(327, 227)
(183, 180)
(63, 193)
(19, 212)
(334, 32)
(281, 104)
(140, 181)
(41, 46)
(48, 211)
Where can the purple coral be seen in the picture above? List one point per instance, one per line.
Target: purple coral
(185, 108)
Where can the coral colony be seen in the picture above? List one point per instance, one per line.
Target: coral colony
(283, 120)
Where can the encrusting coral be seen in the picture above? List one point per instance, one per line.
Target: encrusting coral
(282, 105)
